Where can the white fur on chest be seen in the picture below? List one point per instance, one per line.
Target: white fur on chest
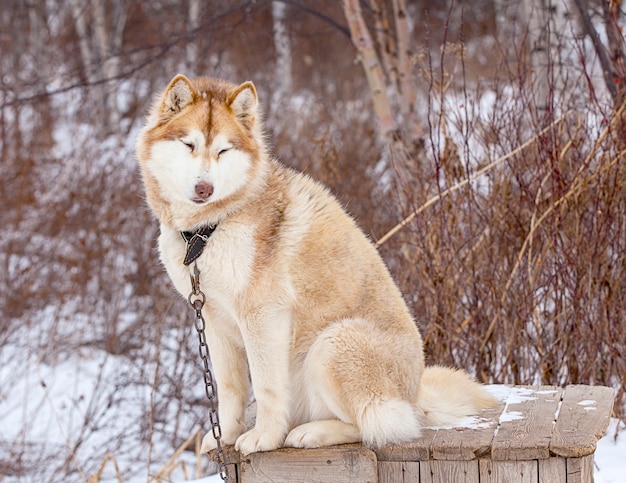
(225, 265)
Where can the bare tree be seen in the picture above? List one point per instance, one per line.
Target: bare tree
(373, 67)
(386, 60)
(612, 57)
(282, 44)
(547, 22)
(100, 33)
(191, 49)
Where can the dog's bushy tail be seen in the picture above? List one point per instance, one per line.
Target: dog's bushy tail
(447, 395)
(388, 421)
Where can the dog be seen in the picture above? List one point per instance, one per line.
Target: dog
(299, 304)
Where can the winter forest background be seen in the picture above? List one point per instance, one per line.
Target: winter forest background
(494, 128)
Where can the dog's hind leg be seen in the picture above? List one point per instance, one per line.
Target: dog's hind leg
(359, 388)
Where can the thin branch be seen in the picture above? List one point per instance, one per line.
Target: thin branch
(459, 185)
(162, 49)
(603, 56)
(324, 18)
(573, 190)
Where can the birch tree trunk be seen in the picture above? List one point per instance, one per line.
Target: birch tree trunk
(191, 49)
(387, 65)
(86, 53)
(613, 58)
(100, 44)
(616, 47)
(368, 57)
(109, 44)
(282, 44)
(406, 81)
(547, 22)
(37, 18)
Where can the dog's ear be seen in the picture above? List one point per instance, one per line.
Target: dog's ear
(243, 102)
(179, 94)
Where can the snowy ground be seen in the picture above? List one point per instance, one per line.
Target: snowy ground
(611, 455)
(85, 405)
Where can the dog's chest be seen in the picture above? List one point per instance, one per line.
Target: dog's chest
(226, 264)
(228, 261)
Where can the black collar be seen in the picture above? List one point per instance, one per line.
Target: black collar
(196, 241)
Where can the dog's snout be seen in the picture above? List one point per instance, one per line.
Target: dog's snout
(203, 190)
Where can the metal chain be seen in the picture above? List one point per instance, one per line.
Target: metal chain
(196, 300)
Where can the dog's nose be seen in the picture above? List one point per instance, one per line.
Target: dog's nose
(204, 190)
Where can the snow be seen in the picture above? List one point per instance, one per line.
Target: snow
(46, 402)
(63, 398)
(610, 457)
(208, 479)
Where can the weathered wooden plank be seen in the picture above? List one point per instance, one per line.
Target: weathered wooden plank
(426, 475)
(526, 424)
(233, 473)
(467, 442)
(508, 471)
(540, 434)
(411, 471)
(342, 465)
(580, 470)
(230, 453)
(437, 471)
(584, 416)
(418, 450)
(390, 472)
(398, 472)
(552, 470)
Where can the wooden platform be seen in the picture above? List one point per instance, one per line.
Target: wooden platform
(537, 434)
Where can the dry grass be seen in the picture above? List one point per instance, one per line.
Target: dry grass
(515, 258)
(165, 472)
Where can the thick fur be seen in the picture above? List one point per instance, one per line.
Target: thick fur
(298, 300)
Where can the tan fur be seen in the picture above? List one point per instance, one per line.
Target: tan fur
(297, 297)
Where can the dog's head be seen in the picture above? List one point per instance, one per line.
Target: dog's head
(201, 152)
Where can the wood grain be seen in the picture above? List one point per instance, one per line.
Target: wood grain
(547, 435)
(528, 437)
(341, 465)
(583, 418)
(398, 472)
(467, 443)
(418, 450)
(508, 471)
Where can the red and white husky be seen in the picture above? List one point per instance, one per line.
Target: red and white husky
(298, 300)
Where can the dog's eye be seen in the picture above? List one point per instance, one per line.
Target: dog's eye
(222, 151)
(189, 145)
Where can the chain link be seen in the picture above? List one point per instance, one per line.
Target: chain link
(196, 300)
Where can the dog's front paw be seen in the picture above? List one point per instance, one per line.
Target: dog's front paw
(228, 438)
(208, 443)
(256, 440)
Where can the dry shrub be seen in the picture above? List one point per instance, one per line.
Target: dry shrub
(518, 274)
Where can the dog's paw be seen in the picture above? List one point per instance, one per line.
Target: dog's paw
(228, 438)
(300, 437)
(208, 443)
(322, 433)
(255, 440)
(308, 436)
